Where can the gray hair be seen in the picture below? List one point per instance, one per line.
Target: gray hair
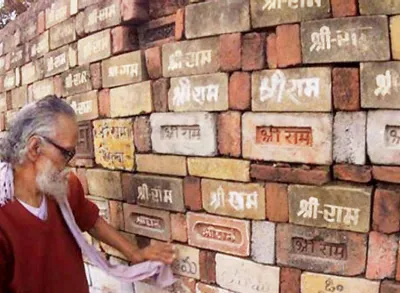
(38, 118)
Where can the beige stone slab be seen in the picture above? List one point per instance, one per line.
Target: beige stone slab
(291, 90)
(56, 61)
(159, 164)
(272, 12)
(187, 262)
(104, 183)
(191, 57)
(57, 12)
(347, 39)
(39, 45)
(19, 97)
(32, 72)
(77, 80)
(102, 15)
(85, 105)
(342, 207)
(237, 200)
(3, 102)
(395, 36)
(208, 92)
(368, 7)
(297, 137)
(94, 47)
(124, 69)
(12, 79)
(42, 88)
(131, 100)
(62, 34)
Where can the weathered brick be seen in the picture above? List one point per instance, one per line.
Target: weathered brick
(104, 103)
(388, 286)
(116, 214)
(165, 7)
(84, 148)
(203, 288)
(19, 97)
(290, 280)
(5, 102)
(253, 54)
(346, 89)
(2, 64)
(288, 45)
(187, 262)
(207, 266)
(394, 36)
(263, 242)
(62, 34)
(271, 51)
(160, 94)
(56, 61)
(179, 228)
(42, 88)
(17, 57)
(157, 32)
(102, 15)
(81, 174)
(142, 133)
(12, 79)
(204, 19)
(153, 62)
(2, 122)
(41, 22)
(361, 174)
(57, 12)
(104, 183)
(381, 7)
(231, 52)
(95, 75)
(277, 202)
(73, 54)
(306, 248)
(180, 24)
(342, 8)
(386, 174)
(192, 193)
(94, 47)
(218, 233)
(102, 204)
(386, 212)
(239, 91)
(136, 11)
(85, 105)
(77, 80)
(382, 256)
(229, 134)
(168, 165)
(220, 168)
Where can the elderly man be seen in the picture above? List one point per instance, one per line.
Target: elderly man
(38, 253)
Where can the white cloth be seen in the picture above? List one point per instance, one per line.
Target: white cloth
(40, 212)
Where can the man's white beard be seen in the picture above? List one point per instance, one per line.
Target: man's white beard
(52, 182)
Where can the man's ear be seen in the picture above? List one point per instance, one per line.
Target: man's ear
(34, 148)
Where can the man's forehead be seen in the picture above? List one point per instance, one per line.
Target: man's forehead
(66, 130)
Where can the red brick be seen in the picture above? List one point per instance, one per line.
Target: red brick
(116, 214)
(58, 85)
(229, 134)
(2, 122)
(302, 175)
(271, 51)
(290, 280)
(192, 193)
(253, 55)
(277, 202)
(346, 89)
(382, 254)
(388, 286)
(386, 174)
(135, 11)
(124, 39)
(342, 8)
(398, 266)
(153, 62)
(160, 89)
(180, 24)
(81, 174)
(128, 192)
(386, 211)
(179, 227)
(240, 91)
(41, 22)
(104, 103)
(95, 75)
(207, 266)
(352, 173)
(288, 45)
(142, 133)
(231, 52)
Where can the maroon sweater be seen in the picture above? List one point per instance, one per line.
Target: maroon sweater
(42, 256)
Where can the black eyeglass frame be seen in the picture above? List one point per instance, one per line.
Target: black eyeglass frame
(68, 155)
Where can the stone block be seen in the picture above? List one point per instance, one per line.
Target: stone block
(386, 174)
(116, 215)
(394, 36)
(346, 88)
(388, 286)
(231, 51)
(187, 262)
(85, 105)
(57, 12)
(179, 227)
(56, 61)
(208, 92)
(2, 65)
(381, 7)
(203, 288)
(288, 46)
(160, 94)
(277, 202)
(192, 193)
(5, 103)
(94, 47)
(218, 233)
(17, 57)
(263, 242)
(207, 266)
(157, 32)
(102, 15)
(290, 280)
(95, 75)
(12, 79)
(31, 72)
(345, 40)
(168, 165)
(184, 133)
(361, 174)
(142, 134)
(104, 183)
(104, 103)
(135, 12)
(253, 51)
(19, 97)
(231, 199)
(343, 8)
(299, 137)
(229, 134)
(272, 51)
(124, 39)
(77, 80)
(154, 62)
(62, 34)
(42, 88)
(386, 213)
(239, 91)
(321, 250)
(300, 89)
(165, 7)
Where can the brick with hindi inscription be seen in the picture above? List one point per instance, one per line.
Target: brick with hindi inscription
(77, 80)
(346, 39)
(17, 57)
(342, 207)
(157, 32)
(158, 192)
(131, 100)
(321, 250)
(217, 17)
(316, 283)
(12, 79)
(19, 97)
(300, 89)
(184, 133)
(84, 146)
(191, 57)
(39, 45)
(94, 47)
(239, 200)
(380, 85)
(147, 222)
(57, 12)
(124, 69)
(217, 233)
(187, 262)
(56, 61)
(296, 137)
(383, 137)
(102, 15)
(113, 143)
(208, 92)
(266, 13)
(32, 72)
(85, 105)
(389, 7)
(62, 34)
(245, 276)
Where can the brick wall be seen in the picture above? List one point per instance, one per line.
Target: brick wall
(260, 136)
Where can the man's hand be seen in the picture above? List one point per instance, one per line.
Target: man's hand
(159, 251)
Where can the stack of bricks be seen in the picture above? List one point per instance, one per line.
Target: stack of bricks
(262, 137)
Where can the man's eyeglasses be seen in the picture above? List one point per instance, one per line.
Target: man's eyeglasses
(68, 155)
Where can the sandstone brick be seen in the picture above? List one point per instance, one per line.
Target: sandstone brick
(95, 75)
(386, 212)
(389, 286)
(207, 266)
(104, 103)
(116, 214)
(135, 11)
(381, 7)
(81, 174)
(179, 228)
(19, 97)
(180, 24)
(168, 165)
(73, 54)
(124, 39)
(187, 262)
(231, 51)
(239, 91)
(41, 22)
(288, 45)
(263, 242)
(160, 94)
(386, 174)
(346, 89)
(85, 105)
(305, 248)
(217, 233)
(142, 133)
(57, 12)
(361, 174)
(17, 58)
(220, 168)
(79, 24)
(290, 280)
(104, 183)
(203, 288)
(253, 54)
(12, 79)
(271, 51)
(157, 32)
(58, 85)
(192, 193)
(203, 19)
(102, 15)
(153, 62)
(382, 254)
(277, 202)
(5, 102)
(342, 8)
(165, 7)
(229, 134)
(129, 193)
(2, 122)
(62, 34)
(394, 34)
(77, 80)
(94, 47)
(42, 88)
